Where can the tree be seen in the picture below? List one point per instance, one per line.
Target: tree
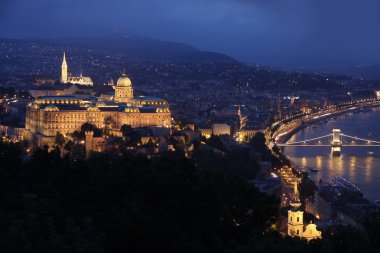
(113, 203)
(109, 122)
(258, 142)
(133, 138)
(60, 140)
(127, 130)
(87, 127)
(307, 187)
(78, 152)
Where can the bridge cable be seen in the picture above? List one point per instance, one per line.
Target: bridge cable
(361, 139)
(317, 138)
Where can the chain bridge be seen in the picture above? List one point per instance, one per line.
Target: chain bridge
(336, 140)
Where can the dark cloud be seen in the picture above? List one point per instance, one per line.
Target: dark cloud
(269, 31)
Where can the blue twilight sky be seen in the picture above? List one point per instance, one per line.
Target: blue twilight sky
(282, 32)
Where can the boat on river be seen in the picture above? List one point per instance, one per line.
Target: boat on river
(341, 181)
(370, 153)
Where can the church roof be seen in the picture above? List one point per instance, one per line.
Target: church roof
(80, 79)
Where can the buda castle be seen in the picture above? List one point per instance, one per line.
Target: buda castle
(48, 115)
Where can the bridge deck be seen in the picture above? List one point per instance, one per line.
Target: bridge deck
(321, 145)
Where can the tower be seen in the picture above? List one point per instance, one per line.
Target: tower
(89, 142)
(295, 216)
(64, 77)
(336, 143)
(123, 90)
(292, 100)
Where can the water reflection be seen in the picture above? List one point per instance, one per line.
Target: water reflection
(354, 164)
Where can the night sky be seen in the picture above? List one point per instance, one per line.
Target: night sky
(283, 32)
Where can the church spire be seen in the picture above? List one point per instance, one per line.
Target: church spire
(64, 77)
(64, 63)
(296, 203)
(296, 193)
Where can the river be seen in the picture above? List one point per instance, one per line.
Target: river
(354, 164)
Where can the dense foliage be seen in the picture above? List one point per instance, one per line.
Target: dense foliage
(129, 203)
(124, 204)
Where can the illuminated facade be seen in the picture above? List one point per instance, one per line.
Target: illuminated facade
(47, 116)
(295, 220)
(65, 78)
(123, 90)
(377, 94)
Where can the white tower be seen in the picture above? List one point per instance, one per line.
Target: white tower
(64, 77)
(295, 216)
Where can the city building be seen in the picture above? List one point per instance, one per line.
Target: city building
(296, 225)
(66, 78)
(47, 116)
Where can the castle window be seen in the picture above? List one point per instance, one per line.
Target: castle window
(298, 219)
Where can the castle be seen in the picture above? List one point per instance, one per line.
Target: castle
(48, 115)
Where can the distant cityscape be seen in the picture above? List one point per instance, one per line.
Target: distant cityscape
(77, 102)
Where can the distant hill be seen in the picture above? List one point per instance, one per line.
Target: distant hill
(146, 48)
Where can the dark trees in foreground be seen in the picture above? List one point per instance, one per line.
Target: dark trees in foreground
(124, 204)
(134, 204)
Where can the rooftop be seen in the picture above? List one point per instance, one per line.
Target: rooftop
(149, 98)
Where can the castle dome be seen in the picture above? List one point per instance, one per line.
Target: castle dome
(124, 81)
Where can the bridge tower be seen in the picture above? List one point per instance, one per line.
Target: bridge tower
(336, 143)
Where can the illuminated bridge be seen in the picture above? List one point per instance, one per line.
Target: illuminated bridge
(335, 140)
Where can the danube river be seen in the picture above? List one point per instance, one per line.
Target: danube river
(354, 164)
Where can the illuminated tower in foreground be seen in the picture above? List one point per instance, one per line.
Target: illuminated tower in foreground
(295, 216)
(295, 220)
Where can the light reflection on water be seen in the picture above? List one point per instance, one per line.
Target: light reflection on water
(354, 164)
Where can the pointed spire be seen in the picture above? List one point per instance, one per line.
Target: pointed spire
(64, 69)
(64, 63)
(296, 192)
(296, 203)
(81, 72)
